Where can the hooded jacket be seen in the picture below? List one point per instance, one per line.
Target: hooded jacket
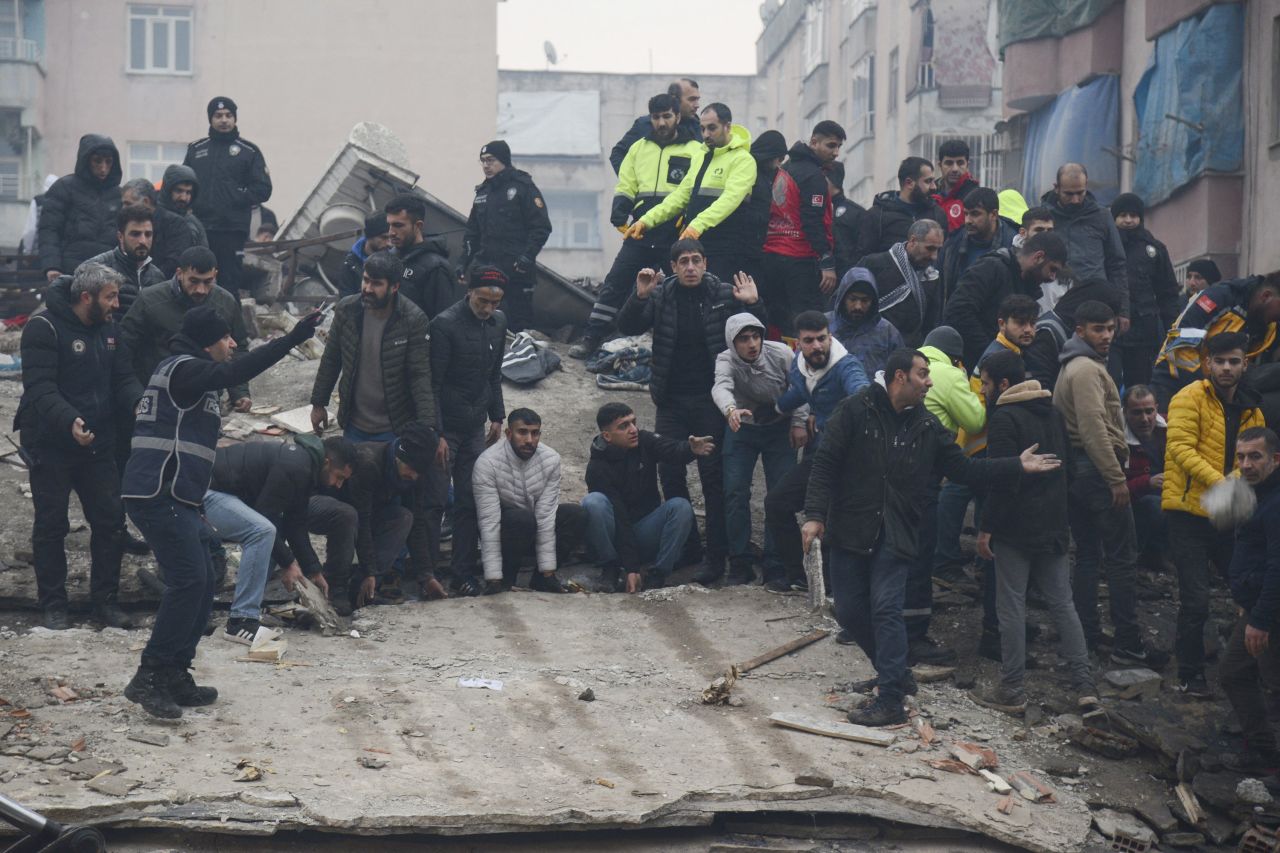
(951, 399)
(800, 215)
(960, 253)
(1090, 404)
(713, 197)
(952, 202)
(649, 172)
(428, 282)
(466, 367)
(639, 129)
(1153, 288)
(1199, 447)
(78, 216)
(69, 371)
(974, 303)
(629, 479)
(1145, 460)
(1093, 242)
(135, 277)
(352, 275)
(1055, 327)
(846, 221)
(180, 174)
(508, 222)
(501, 478)
(889, 219)
(1221, 307)
(874, 467)
(842, 378)
(1031, 516)
(871, 338)
(749, 385)
(233, 177)
(156, 316)
(405, 370)
(276, 481)
(1255, 564)
(912, 320)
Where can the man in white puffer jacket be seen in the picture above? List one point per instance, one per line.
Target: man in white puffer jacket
(517, 493)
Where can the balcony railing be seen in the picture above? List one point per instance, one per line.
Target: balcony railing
(19, 50)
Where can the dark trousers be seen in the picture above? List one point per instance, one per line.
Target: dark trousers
(517, 302)
(869, 591)
(228, 248)
(790, 286)
(1105, 540)
(1251, 685)
(1133, 355)
(97, 483)
(179, 538)
(634, 256)
(520, 537)
(1194, 543)
(340, 523)
(724, 264)
(917, 603)
(780, 507)
(464, 450)
(1151, 525)
(679, 417)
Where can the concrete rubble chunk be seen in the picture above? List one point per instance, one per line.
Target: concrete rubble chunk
(1133, 683)
(1216, 789)
(269, 799)
(112, 785)
(152, 738)
(1123, 827)
(1253, 792)
(44, 753)
(90, 767)
(1182, 839)
(815, 779)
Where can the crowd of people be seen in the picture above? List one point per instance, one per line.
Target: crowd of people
(889, 367)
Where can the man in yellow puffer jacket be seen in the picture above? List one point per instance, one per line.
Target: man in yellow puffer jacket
(713, 196)
(1204, 419)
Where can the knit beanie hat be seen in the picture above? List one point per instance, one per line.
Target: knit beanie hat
(204, 326)
(498, 150)
(486, 276)
(1128, 203)
(375, 224)
(416, 446)
(1207, 268)
(947, 340)
(769, 145)
(220, 103)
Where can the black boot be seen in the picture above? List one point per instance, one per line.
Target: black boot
(133, 544)
(184, 690)
(710, 572)
(56, 618)
(741, 573)
(150, 689)
(152, 579)
(109, 615)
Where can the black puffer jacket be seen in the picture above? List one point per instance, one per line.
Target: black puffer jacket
(658, 313)
(428, 282)
(1255, 577)
(1153, 288)
(974, 303)
(233, 178)
(78, 217)
(135, 277)
(406, 363)
(508, 222)
(180, 174)
(69, 371)
(874, 467)
(889, 219)
(846, 223)
(466, 367)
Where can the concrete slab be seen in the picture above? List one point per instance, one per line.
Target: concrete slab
(532, 757)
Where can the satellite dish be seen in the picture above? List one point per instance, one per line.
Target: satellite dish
(550, 50)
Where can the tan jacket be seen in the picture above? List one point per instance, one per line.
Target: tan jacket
(1090, 404)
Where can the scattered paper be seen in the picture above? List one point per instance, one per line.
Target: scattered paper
(484, 683)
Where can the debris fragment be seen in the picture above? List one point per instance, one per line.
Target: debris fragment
(927, 674)
(316, 602)
(1126, 833)
(1190, 805)
(813, 575)
(78, 745)
(951, 766)
(1134, 683)
(587, 695)
(64, 694)
(91, 767)
(1253, 792)
(717, 692)
(814, 779)
(249, 771)
(268, 799)
(973, 756)
(44, 753)
(372, 763)
(1106, 744)
(995, 782)
(848, 731)
(112, 785)
(1031, 788)
(482, 683)
(153, 738)
(925, 729)
(605, 783)
(1005, 804)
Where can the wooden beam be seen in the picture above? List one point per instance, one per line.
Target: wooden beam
(847, 731)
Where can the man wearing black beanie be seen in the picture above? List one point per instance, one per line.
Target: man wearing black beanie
(507, 228)
(176, 433)
(1153, 294)
(233, 177)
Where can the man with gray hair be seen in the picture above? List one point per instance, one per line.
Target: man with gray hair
(77, 381)
(909, 286)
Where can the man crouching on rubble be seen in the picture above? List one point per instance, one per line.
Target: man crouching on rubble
(164, 484)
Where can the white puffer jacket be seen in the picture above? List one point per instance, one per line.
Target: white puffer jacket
(501, 478)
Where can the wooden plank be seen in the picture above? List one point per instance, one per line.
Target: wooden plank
(847, 731)
(772, 654)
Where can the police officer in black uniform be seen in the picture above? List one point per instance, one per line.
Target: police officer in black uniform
(507, 228)
(233, 177)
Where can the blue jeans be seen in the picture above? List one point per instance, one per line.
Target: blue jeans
(179, 538)
(659, 536)
(772, 444)
(235, 521)
(353, 433)
(869, 591)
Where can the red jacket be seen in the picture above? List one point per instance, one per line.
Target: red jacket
(800, 214)
(1142, 465)
(952, 203)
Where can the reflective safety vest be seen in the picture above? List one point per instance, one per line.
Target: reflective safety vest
(165, 431)
(1184, 351)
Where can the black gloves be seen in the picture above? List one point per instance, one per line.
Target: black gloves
(306, 327)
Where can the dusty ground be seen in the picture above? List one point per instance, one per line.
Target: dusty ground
(532, 757)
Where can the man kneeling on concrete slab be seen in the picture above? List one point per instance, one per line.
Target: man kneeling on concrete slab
(626, 523)
(384, 504)
(517, 489)
(258, 497)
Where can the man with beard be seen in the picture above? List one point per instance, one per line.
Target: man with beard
(171, 234)
(687, 96)
(1153, 294)
(178, 191)
(822, 374)
(76, 383)
(1205, 418)
(428, 282)
(984, 230)
(955, 183)
(910, 292)
(78, 213)
(132, 255)
(233, 177)
(892, 213)
(1093, 242)
(156, 316)
(799, 258)
(653, 167)
(373, 240)
(855, 321)
(973, 306)
(517, 493)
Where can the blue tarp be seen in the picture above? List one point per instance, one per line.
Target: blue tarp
(1074, 128)
(1195, 74)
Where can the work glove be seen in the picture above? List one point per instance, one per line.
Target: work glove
(306, 327)
(690, 233)
(636, 231)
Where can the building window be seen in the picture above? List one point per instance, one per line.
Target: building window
(815, 35)
(864, 98)
(160, 39)
(575, 220)
(892, 98)
(150, 159)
